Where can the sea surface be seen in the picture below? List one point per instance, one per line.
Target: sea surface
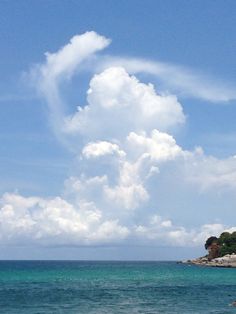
(114, 287)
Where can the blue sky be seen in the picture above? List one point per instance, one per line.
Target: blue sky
(186, 49)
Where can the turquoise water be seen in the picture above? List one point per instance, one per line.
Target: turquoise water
(114, 287)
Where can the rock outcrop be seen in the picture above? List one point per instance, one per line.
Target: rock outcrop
(228, 260)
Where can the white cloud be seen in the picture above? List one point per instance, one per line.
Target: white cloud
(160, 146)
(119, 103)
(55, 222)
(209, 172)
(206, 231)
(127, 196)
(157, 220)
(65, 61)
(110, 231)
(178, 79)
(60, 66)
(87, 189)
(164, 232)
(143, 154)
(101, 148)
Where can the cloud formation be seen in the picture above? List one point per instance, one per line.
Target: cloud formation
(101, 148)
(118, 104)
(124, 136)
(53, 222)
(178, 79)
(61, 66)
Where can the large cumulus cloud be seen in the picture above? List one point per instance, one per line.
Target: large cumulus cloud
(119, 103)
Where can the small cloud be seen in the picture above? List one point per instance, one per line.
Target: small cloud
(101, 148)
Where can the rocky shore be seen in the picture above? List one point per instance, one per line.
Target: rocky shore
(228, 260)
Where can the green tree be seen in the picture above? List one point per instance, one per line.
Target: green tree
(209, 241)
(227, 243)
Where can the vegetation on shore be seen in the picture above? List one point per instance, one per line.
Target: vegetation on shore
(225, 244)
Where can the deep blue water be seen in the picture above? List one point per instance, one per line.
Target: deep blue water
(114, 287)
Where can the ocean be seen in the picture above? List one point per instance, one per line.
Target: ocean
(80, 287)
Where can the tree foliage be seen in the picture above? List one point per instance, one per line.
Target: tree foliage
(209, 242)
(226, 242)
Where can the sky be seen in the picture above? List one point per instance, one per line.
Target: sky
(117, 128)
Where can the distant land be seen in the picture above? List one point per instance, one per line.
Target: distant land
(221, 251)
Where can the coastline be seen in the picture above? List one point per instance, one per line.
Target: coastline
(227, 261)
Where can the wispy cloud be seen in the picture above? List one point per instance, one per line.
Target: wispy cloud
(60, 66)
(178, 79)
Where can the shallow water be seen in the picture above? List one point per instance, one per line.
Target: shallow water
(114, 287)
